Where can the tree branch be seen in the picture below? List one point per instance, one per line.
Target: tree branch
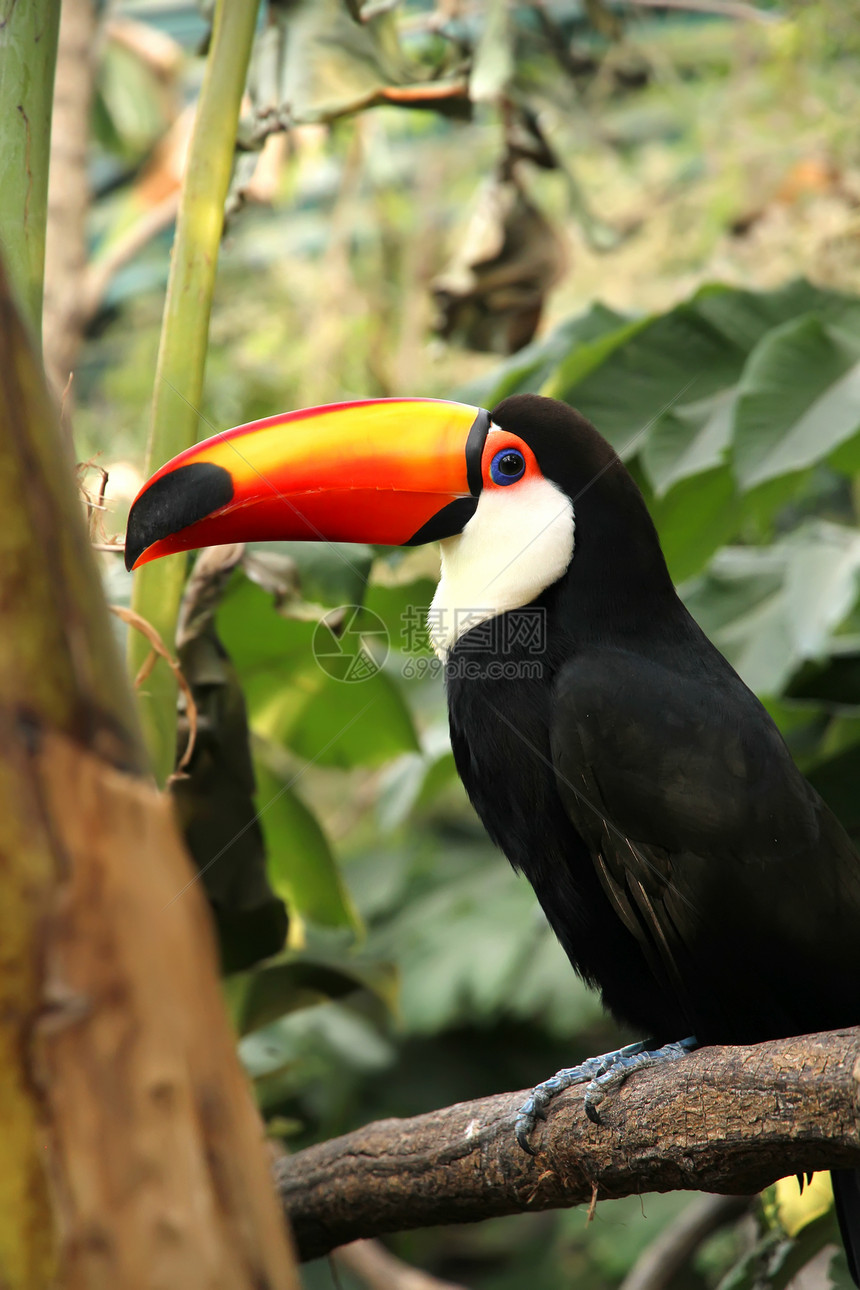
(378, 1269)
(728, 1120)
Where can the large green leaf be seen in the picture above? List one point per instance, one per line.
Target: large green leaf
(257, 637)
(694, 518)
(665, 387)
(301, 866)
(588, 357)
(337, 724)
(403, 609)
(799, 398)
(312, 1048)
(295, 702)
(468, 938)
(689, 440)
(771, 608)
(673, 360)
(744, 317)
(530, 368)
(415, 779)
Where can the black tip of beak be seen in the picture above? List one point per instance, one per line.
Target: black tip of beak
(184, 496)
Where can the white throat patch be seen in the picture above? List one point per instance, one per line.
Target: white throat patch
(518, 542)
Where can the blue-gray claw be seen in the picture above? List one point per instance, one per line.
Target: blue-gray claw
(601, 1074)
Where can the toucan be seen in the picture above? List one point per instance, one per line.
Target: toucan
(691, 873)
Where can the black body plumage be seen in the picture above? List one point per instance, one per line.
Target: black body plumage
(688, 869)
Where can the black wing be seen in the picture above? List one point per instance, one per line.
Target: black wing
(739, 885)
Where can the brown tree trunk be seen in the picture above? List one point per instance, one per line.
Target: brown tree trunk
(132, 1153)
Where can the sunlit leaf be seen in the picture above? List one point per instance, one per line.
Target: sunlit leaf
(798, 400)
(769, 609)
(335, 64)
(493, 61)
(339, 724)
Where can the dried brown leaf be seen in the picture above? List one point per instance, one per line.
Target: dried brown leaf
(160, 650)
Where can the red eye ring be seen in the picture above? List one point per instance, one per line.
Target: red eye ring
(501, 445)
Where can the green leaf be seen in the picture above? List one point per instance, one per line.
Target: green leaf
(769, 609)
(694, 518)
(294, 702)
(744, 317)
(665, 386)
(530, 368)
(588, 357)
(336, 65)
(445, 937)
(660, 365)
(403, 609)
(301, 866)
(689, 439)
(258, 638)
(312, 1048)
(546, 988)
(300, 979)
(798, 400)
(131, 101)
(339, 724)
(414, 779)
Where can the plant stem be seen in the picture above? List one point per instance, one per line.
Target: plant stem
(184, 339)
(28, 56)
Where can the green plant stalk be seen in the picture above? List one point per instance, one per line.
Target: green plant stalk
(28, 58)
(184, 340)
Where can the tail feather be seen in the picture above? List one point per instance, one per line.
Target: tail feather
(846, 1191)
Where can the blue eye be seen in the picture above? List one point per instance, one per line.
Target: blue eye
(507, 466)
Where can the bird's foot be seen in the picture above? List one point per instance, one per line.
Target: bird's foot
(600, 1074)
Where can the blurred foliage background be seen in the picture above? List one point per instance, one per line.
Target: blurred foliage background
(651, 211)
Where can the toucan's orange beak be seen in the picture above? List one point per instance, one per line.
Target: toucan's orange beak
(392, 471)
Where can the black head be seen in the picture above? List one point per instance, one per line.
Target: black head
(617, 561)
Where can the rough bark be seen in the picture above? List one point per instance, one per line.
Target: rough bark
(726, 1120)
(156, 1151)
(132, 1153)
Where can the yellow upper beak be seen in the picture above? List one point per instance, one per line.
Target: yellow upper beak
(390, 471)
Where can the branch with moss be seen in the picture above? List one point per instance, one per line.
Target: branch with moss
(725, 1120)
